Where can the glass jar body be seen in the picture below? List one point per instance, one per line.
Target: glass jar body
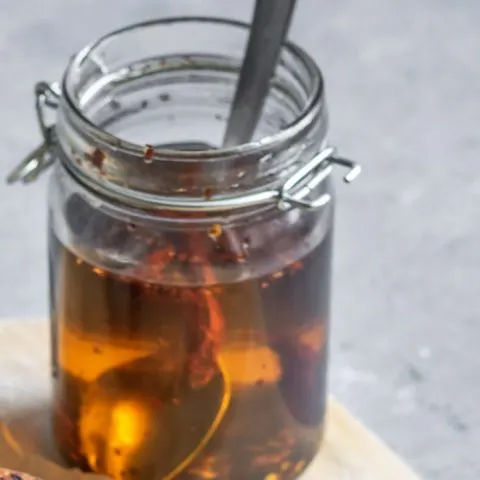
(190, 283)
(188, 346)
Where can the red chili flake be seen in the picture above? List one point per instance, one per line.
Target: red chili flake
(99, 272)
(155, 264)
(148, 153)
(296, 266)
(97, 158)
(208, 193)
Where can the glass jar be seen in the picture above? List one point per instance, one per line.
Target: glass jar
(190, 284)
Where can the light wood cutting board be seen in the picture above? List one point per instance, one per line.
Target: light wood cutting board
(349, 451)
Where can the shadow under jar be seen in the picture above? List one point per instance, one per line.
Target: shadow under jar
(190, 284)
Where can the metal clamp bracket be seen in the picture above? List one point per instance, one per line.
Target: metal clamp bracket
(303, 182)
(36, 162)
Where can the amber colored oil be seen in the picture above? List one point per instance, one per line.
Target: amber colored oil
(157, 381)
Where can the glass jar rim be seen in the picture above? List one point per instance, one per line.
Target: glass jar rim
(271, 142)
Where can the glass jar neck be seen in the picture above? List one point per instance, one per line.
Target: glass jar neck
(143, 111)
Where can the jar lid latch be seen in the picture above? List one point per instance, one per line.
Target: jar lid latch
(47, 95)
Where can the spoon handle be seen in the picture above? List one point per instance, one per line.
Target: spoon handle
(271, 21)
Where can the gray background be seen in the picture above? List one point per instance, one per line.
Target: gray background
(403, 85)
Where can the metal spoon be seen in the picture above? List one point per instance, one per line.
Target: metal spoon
(271, 21)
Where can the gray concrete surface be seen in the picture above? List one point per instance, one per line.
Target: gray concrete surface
(403, 84)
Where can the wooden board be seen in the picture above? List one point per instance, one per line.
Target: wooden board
(349, 451)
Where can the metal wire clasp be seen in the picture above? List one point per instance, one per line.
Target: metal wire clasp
(302, 183)
(37, 161)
